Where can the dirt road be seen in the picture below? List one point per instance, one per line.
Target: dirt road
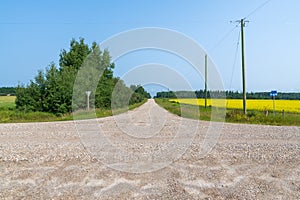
(59, 160)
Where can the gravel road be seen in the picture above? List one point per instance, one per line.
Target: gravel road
(148, 153)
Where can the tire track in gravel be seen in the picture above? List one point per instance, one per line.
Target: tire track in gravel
(48, 160)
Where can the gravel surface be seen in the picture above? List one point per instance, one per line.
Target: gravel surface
(148, 154)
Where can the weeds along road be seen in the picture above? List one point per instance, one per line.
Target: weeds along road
(141, 159)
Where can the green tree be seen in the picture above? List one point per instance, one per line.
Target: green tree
(106, 82)
(28, 98)
(54, 91)
(75, 56)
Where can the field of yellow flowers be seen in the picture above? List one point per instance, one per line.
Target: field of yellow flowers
(292, 106)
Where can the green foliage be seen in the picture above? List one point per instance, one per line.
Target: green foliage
(4, 91)
(8, 113)
(53, 91)
(76, 55)
(139, 94)
(227, 94)
(169, 94)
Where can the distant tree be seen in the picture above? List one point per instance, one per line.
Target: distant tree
(53, 91)
(228, 94)
(4, 91)
(169, 94)
(139, 94)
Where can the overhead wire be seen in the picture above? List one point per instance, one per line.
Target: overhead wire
(231, 30)
(223, 38)
(258, 8)
(238, 41)
(235, 59)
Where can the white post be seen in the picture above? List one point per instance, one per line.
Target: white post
(88, 93)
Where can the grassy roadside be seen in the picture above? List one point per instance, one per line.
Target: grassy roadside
(102, 112)
(233, 116)
(8, 113)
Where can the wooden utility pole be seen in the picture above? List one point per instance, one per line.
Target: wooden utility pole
(205, 90)
(243, 67)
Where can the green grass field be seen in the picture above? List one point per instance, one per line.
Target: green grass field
(9, 114)
(231, 115)
(7, 102)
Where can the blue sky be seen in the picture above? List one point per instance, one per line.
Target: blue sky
(34, 32)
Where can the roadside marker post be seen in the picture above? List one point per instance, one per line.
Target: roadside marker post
(273, 94)
(88, 93)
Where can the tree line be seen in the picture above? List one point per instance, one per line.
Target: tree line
(4, 91)
(52, 89)
(228, 94)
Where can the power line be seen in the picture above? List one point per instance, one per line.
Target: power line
(223, 38)
(258, 8)
(235, 59)
(231, 30)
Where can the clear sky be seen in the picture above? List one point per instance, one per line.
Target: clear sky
(34, 32)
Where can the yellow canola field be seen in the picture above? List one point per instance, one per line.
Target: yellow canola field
(252, 104)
